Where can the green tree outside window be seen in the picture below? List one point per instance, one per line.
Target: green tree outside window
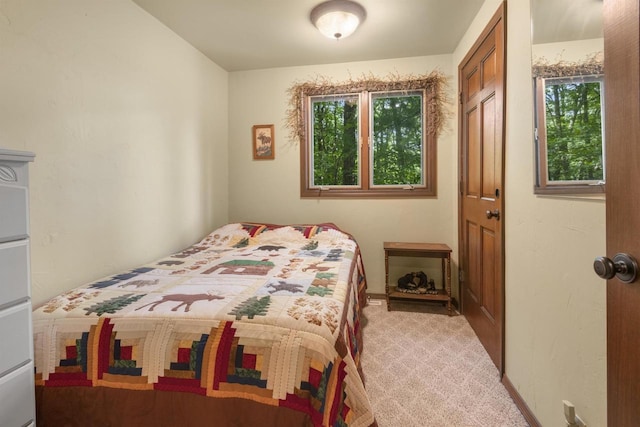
(335, 141)
(396, 121)
(574, 130)
(397, 140)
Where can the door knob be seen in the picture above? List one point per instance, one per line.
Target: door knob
(492, 214)
(623, 266)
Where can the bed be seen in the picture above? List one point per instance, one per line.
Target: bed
(257, 324)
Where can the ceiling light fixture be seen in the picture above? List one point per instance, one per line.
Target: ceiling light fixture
(337, 19)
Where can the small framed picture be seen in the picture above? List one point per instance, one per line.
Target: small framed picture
(263, 142)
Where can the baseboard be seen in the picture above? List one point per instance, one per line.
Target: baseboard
(520, 403)
(376, 296)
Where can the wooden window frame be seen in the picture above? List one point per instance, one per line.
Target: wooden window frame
(366, 189)
(543, 185)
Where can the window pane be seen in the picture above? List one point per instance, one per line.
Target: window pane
(335, 141)
(397, 139)
(574, 131)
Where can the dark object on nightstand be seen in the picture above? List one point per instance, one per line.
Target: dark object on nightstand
(413, 281)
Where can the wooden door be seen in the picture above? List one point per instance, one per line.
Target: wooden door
(481, 82)
(622, 135)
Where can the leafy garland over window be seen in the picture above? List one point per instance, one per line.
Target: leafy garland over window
(434, 83)
(591, 65)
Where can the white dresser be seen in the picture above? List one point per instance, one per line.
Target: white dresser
(17, 398)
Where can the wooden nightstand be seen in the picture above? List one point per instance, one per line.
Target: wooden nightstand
(425, 250)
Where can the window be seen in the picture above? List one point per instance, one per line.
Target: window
(334, 157)
(368, 144)
(569, 135)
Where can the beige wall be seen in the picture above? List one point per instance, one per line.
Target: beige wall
(129, 126)
(570, 51)
(555, 305)
(269, 190)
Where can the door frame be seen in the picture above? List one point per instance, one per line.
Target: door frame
(499, 16)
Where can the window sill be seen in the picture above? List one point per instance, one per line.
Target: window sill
(564, 190)
(370, 194)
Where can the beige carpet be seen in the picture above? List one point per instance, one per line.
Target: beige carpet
(426, 369)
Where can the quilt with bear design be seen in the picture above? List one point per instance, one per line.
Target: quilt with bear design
(256, 312)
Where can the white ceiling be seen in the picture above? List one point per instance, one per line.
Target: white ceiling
(255, 34)
(566, 20)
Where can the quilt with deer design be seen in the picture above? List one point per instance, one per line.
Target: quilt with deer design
(253, 311)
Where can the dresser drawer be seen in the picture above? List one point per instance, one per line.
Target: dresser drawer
(14, 223)
(17, 397)
(14, 271)
(15, 336)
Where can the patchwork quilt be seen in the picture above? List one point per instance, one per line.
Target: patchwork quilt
(263, 313)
